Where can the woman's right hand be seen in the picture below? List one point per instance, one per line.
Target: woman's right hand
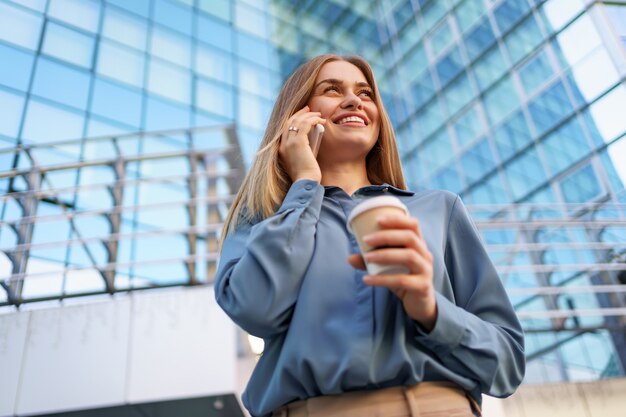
(294, 150)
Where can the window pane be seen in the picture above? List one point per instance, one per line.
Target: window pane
(565, 146)
(423, 89)
(214, 32)
(524, 39)
(489, 68)
(84, 14)
(441, 38)
(169, 81)
(254, 111)
(123, 64)
(450, 66)
(512, 135)
(214, 64)
(163, 115)
(19, 27)
(501, 100)
(125, 28)
(550, 107)
(45, 123)
(525, 173)
(458, 94)
(215, 98)
(509, 12)
(581, 186)
(16, 75)
(536, 72)
(69, 45)
(171, 46)
(117, 102)
(477, 161)
(218, 8)
(11, 107)
(468, 126)
(613, 161)
(141, 7)
(468, 12)
(479, 39)
(250, 20)
(174, 16)
(254, 49)
(61, 83)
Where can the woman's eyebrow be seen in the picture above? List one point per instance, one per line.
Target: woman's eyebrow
(340, 82)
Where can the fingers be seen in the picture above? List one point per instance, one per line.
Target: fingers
(399, 232)
(301, 122)
(356, 260)
(401, 284)
(417, 263)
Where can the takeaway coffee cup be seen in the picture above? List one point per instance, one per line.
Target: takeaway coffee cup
(363, 221)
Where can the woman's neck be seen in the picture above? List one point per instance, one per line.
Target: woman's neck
(348, 176)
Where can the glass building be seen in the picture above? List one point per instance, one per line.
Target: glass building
(125, 128)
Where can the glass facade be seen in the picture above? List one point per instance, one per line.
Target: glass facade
(107, 171)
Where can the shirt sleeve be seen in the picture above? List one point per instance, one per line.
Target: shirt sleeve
(478, 334)
(261, 266)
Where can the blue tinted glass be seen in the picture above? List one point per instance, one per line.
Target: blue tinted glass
(432, 13)
(423, 89)
(117, 102)
(489, 68)
(458, 94)
(489, 191)
(501, 100)
(84, 14)
(69, 45)
(214, 32)
(218, 8)
(525, 173)
(254, 49)
(125, 28)
(19, 26)
(171, 46)
(447, 179)
(214, 63)
(402, 13)
(510, 12)
(524, 39)
(468, 126)
(477, 161)
(468, 12)
(45, 123)
(169, 81)
(581, 186)
(565, 146)
(450, 66)
(11, 108)
(61, 83)
(512, 135)
(17, 74)
(163, 115)
(215, 98)
(535, 72)
(141, 7)
(436, 152)
(441, 38)
(172, 15)
(429, 118)
(479, 39)
(121, 63)
(550, 107)
(612, 162)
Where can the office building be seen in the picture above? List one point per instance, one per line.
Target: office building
(125, 127)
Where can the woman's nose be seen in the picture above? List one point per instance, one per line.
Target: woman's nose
(352, 100)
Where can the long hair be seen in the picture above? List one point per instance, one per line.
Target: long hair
(266, 183)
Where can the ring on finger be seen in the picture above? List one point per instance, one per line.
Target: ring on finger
(293, 129)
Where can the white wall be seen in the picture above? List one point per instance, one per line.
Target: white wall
(145, 346)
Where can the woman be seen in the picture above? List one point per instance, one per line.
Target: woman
(338, 341)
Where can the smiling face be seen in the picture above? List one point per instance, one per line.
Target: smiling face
(345, 98)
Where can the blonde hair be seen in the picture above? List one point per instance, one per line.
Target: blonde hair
(266, 183)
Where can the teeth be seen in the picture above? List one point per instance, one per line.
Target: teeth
(351, 119)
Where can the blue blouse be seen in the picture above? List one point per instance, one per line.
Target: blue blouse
(287, 279)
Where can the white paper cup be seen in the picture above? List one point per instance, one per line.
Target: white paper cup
(363, 221)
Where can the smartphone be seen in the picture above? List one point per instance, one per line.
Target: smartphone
(315, 138)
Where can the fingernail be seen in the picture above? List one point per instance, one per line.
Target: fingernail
(368, 238)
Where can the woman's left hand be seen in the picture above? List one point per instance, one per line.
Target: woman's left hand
(401, 243)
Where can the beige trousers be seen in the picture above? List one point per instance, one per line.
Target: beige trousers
(427, 399)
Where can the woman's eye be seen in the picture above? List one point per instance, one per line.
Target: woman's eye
(367, 93)
(331, 88)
